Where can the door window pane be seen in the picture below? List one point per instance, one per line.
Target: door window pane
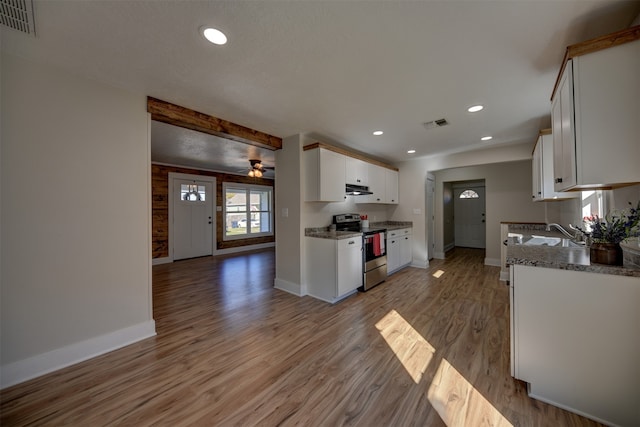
(192, 193)
(469, 194)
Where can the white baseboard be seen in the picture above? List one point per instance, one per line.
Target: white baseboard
(420, 264)
(163, 260)
(449, 247)
(495, 262)
(35, 366)
(244, 248)
(570, 409)
(504, 276)
(438, 255)
(290, 287)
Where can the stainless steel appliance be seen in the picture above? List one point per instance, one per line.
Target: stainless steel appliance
(374, 253)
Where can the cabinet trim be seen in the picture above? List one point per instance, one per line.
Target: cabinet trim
(599, 43)
(348, 154)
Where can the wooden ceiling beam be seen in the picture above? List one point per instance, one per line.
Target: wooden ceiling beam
(166, 112)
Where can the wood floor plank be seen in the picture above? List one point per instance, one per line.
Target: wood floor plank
(429, 347)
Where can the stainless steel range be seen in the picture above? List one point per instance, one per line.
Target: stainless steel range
(374, 252)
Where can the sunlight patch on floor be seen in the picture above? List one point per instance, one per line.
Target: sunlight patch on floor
(458, 403)
(438, 274)
(411, 349)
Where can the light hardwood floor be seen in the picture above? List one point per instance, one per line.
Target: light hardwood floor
(425, 348)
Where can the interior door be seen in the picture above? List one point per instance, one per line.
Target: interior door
(431, 218)
(469, 216)
(192, 218)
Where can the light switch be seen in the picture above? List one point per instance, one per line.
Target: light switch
(417, 211)
(285, 212)
(218, 208)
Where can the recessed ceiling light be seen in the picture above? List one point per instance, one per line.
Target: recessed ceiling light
(378, 133)
(411, 151)
(486, 138)
(214, 36)
(475, 108)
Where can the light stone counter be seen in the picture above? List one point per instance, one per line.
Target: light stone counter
(563, 258)
(325, 233)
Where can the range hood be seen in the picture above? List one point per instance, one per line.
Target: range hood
(357, 190)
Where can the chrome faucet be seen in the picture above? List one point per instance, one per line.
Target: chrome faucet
(562, 230)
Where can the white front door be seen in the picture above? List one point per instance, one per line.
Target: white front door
(193, 219)
(469, 216)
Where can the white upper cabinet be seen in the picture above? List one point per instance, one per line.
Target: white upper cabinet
(383, 183)
(377, 185)
(325, 176)
(356, 171)
(543, 185)
(329, 169)
(391, 185)
(595, 115)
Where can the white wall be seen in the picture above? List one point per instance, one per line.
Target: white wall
(289, 230)
(508, 198)
(76, 253)
(619, 198)
(507, 174)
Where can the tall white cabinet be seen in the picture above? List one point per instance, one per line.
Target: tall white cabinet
(596, 115)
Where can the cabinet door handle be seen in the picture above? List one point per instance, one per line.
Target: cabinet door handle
(558, 180)
(352, 242)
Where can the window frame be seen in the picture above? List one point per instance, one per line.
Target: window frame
(248, 189)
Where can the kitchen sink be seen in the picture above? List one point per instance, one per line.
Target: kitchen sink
(552, 241)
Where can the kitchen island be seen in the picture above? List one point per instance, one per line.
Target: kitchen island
(574, 329)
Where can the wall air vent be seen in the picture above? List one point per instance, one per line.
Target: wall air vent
(435, 123)
(18, 15)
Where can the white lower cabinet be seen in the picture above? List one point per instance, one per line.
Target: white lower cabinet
(393, 254)
(574, 339)
(399, 247)
(334, 267)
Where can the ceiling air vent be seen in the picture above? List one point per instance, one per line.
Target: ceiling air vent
(18, 15)
(435, 123)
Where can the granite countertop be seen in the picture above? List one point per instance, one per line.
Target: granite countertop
(325, 233)
(563, 258)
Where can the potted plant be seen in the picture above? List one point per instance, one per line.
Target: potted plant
(607, 233)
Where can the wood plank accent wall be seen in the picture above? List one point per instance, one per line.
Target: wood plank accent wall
(160, 207)
(166, 112)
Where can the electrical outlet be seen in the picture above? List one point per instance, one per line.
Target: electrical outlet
(285, 212)
(417, 211)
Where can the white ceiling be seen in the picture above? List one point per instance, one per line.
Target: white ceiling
(337, 69)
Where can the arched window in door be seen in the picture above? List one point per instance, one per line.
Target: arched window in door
(469, 194)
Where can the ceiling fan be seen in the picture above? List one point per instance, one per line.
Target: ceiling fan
(257, 169)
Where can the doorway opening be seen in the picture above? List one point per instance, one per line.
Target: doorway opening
(464, 212)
